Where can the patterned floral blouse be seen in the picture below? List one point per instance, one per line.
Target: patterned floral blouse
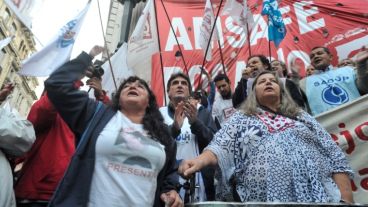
(277, 159)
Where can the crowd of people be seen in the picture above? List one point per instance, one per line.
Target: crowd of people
(259, 142)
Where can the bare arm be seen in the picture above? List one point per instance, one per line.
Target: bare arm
(189, 167)
(342, 181)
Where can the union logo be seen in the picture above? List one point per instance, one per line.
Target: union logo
(334, 95)
(68, 35)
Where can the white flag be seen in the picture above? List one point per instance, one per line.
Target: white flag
(5, 42)
(120, 68)
(56, 53)
(240, 13)
(143, 42)
(208, 23)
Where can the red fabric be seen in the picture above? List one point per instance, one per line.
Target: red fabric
(49, 156)
(104, 98)
(78, 84)
(341, 25)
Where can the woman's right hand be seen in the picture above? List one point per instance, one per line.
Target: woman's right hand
(96, 50)
(188, 167)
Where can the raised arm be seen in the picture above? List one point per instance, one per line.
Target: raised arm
(73, 105)
(188, 167)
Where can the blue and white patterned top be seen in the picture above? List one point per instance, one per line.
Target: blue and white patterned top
(277, 159)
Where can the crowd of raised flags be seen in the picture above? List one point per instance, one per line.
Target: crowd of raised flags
(143, 42)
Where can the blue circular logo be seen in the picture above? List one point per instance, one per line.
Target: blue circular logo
(334, 95)
(68, 35)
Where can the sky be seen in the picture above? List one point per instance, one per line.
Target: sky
(54, 14)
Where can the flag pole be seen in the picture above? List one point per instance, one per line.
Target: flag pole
(159, 49)
(107, 50)
(248, 39)
(222, 58)
(209, 43)
(269, 41)
(176, 38)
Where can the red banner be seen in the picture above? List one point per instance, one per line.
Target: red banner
(341, 25)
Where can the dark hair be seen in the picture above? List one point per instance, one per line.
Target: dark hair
(201, 95)
(197, 95)
(221, 77)
(182, 75)
(324, 49)
(153, 121)
(263, 59)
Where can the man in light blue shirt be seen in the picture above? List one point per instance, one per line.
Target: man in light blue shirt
(328, 88)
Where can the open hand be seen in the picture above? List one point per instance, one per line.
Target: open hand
(179, 115)
(96, 50)
(190, 111)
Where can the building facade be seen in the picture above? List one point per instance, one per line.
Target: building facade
(11, 56)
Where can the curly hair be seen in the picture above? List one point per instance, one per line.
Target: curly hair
(287, 106)
(153, 122)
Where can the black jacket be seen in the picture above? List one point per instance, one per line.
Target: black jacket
(296, 94)
(77, 110)
(204, 129)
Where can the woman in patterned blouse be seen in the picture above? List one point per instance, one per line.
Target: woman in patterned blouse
(272, 151)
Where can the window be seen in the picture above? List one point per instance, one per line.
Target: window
(2, 54)
(6, 15)
(21, 45)
(13, 29)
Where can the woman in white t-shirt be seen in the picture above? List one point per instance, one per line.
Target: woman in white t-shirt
(125, 156)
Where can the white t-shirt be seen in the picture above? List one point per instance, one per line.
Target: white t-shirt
(187, 148)
(222, 109)
(127, 164)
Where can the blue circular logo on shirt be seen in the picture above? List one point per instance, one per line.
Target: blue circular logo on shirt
(334, 95)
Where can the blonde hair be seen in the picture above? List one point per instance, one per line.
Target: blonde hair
(286, 108)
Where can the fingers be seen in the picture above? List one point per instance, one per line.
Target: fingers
(89, 72)
(166, 199)
(91, 83)
(187, 168)
(179, 108)
(97, 49)
(172, 199)
(190, 111)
